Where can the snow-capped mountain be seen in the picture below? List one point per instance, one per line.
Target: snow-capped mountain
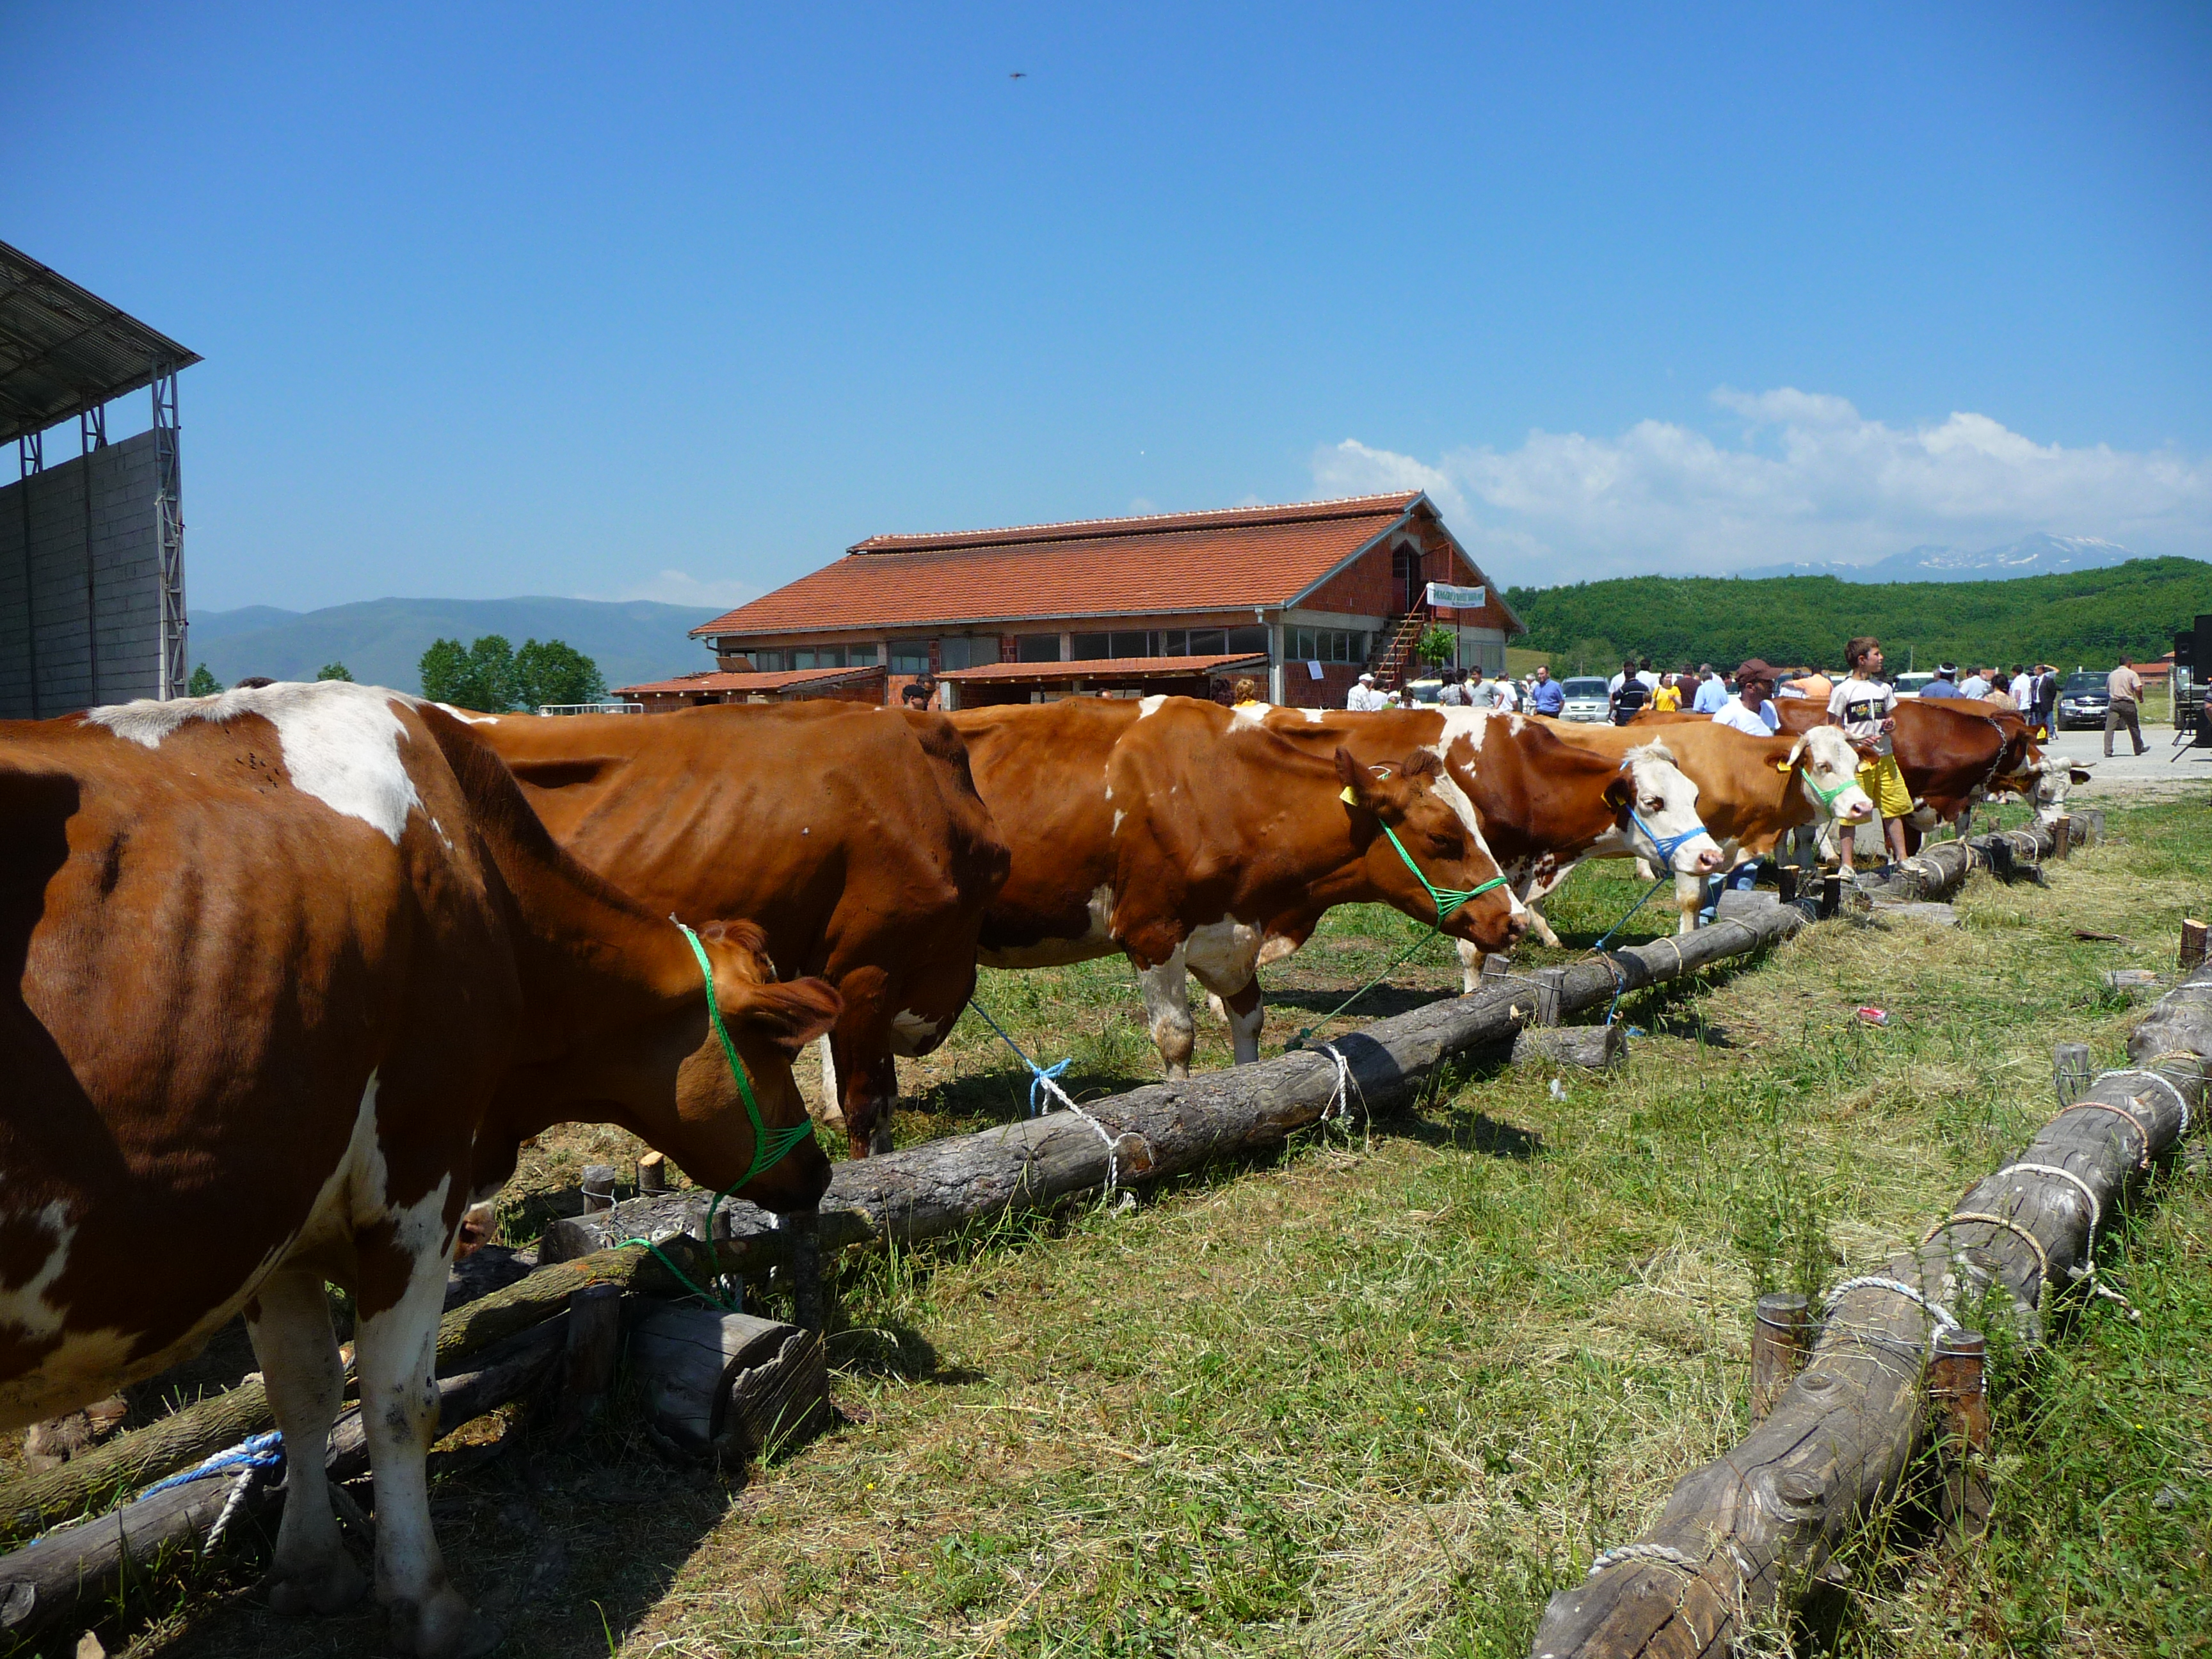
(2039, 554)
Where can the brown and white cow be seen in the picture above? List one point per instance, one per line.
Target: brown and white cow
(1545, 804)
(292, 972)
(1197, 842)
(1951, 751)
(1751, 791)
(852, 835)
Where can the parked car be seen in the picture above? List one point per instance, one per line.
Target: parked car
(2083, 700)
(1912, 685)
(1586, 698)
(1422, 691)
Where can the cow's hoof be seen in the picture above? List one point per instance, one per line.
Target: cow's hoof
(879, 1141)
(444, 1627)
(324, 1588)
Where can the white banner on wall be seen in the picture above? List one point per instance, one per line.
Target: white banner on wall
(1458, 598)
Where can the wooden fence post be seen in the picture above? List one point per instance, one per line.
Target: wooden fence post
(598, 1188)
(652, 1173)
(809, 1308)
(1958, 1386)
(1831, 895)
(2070, 1073)
(2192, 945)
(2062, 836)
(1781, 1337)
(587, 1370)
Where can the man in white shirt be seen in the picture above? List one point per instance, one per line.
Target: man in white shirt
(1365, 697)
(2023, 687)
(1976, 684)
(1712, 691)
(1508, 694)
(1752, 709)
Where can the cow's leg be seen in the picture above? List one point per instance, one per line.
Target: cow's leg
(1167, 1012)
(393, 1353)
(1247, 1011)
(1470, 962)
(831, 1114)
(289, 1322)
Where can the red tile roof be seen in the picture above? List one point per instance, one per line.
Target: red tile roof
(1231, 560)
(713, 680)
(1109, 668)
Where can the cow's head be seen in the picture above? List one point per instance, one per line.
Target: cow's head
(1433, 822)
(707, 1127)
(1655, 805)
(1826, 765)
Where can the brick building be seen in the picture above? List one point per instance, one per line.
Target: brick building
(1300, 599)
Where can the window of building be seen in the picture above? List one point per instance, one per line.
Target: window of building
(861, 656)
(963, 651)
(1243, 640)
(1037, 648)
(910, 656)
(1091, 647)
(1327, 645)
(770, 662)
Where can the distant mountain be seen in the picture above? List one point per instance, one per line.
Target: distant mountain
(381, 640)
(2032, 556)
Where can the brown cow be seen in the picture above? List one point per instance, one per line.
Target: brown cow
(1544, 804)
(1751, 791)
(1191, 837)
(1951, 751)
(853, 835)
(292, 972)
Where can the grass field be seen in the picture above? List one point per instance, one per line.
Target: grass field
(1383, 1392)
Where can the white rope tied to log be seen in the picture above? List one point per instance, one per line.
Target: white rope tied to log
(2087, 1271)
(1339, 1099)
(1665, 1554)
(1936, 1310)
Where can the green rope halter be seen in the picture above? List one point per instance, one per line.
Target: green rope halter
(770, 1146)
(1441, 894)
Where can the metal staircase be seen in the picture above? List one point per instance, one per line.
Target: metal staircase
(1400, 636)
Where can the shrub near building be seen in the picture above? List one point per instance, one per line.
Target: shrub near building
(493, 676)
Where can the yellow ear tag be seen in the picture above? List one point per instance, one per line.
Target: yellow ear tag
(1348, 798)
(1782, 766)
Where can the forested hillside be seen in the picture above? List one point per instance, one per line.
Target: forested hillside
(2090, 617)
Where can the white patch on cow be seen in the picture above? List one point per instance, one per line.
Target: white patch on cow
(1831, 760)
(25, 1306)
(340, 741)
(1150, 705)
(1652, 771)
(1313, 715)
(1118, 815)
(1166, 992)
(1245, 716)
(1096, 941)
(1222, 954)
(1275, 948)
(467, 718)
(911, 1034)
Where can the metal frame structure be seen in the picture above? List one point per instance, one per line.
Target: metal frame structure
(63, 352)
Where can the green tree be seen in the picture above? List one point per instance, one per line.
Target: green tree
(201, 684)
(556, 672)
(1596, 656)
(481, 677)
(1437, 645)
(333, 671)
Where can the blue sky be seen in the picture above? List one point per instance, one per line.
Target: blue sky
(676, 301)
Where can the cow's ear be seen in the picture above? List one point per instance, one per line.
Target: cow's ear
(1363, 790)
(1421, 764)
(791, 1016)
(1620, 791)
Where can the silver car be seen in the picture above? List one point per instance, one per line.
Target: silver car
(1586, 696)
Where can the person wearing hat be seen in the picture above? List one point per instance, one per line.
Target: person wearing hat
(1945, 682)
(1752, 709)
(1365, 697)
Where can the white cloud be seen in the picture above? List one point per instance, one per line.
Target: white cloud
(681, 587)
(1809, 477)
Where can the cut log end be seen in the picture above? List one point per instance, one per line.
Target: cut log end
(1593, 1048)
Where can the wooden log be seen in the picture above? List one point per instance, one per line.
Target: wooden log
(2062, 836)
(1781, 1336)
(693, 1360)
(652, 1172)
(1593, 1048)
(1958, 1388)
(1774, 1507)
(49, 1581)
(804, 1230)
(2193, 935)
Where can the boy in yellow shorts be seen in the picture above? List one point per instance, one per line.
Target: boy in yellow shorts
(1865, 706)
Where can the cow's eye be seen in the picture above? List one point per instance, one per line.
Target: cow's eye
(1652, 803)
